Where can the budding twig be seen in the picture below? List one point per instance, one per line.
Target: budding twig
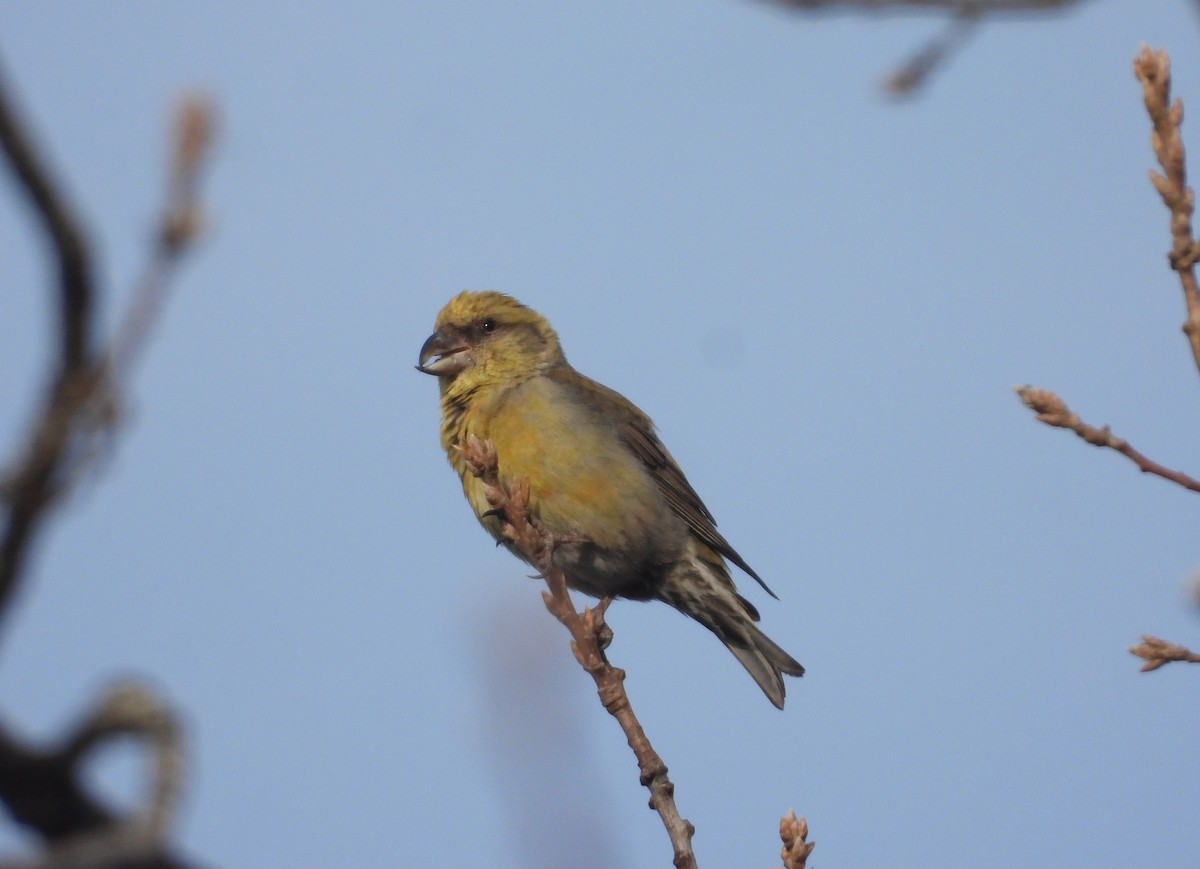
(1153, 70)
(1052, 410)
(1156, 653)
(796, 847)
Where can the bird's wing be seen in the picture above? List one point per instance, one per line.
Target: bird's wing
(637, 432)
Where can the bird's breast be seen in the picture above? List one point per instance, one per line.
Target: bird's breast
(583, 480)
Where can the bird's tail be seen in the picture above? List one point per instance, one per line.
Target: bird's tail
(763, 659)
(708, 596)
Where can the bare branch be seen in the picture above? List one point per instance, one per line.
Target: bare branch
(796, 847)
(1156, 653)
(590, 636)
(1153, 70)
(1053, 411)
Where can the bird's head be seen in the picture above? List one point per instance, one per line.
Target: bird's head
(488, 338)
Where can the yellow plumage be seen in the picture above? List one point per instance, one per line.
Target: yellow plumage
(596, 470)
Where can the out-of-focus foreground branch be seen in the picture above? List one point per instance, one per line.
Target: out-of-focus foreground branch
(78, 412)
(28, 488)
(590, 636)
(1153, 70)
(41, 788)
(964, 16)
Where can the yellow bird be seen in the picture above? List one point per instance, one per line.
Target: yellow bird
(597, 475)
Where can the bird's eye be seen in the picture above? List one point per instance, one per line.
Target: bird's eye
(488, 325)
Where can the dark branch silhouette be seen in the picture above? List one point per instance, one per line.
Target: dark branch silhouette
(29, 489)
(41, 787)
(42, 791)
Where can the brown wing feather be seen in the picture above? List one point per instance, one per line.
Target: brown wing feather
(637, 431)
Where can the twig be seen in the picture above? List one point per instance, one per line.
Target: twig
(1153, 70)
(964, 15)
(796, 847)
(590, 636)
(1053, 411)
(909, 77)
(1156, 653)
(181, 223)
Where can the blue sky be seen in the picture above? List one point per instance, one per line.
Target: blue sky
(822, 298)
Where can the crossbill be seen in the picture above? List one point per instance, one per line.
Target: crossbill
(597, 474)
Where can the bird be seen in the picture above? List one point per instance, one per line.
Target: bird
(599, 479)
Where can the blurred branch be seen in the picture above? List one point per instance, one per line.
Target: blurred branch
(1053, 411)
(1153, 70)
(975, 7)
(914, 72)
(59, 223)
(796, 847)
(80, 406)
(42, 788)
(590, 636)
(181, 223)
(28, 490)
(964, 16)
(1156, 653)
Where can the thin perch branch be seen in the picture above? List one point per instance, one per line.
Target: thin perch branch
(1052, 410)
(1156, 653)
(1153, 70)
(590, 636)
